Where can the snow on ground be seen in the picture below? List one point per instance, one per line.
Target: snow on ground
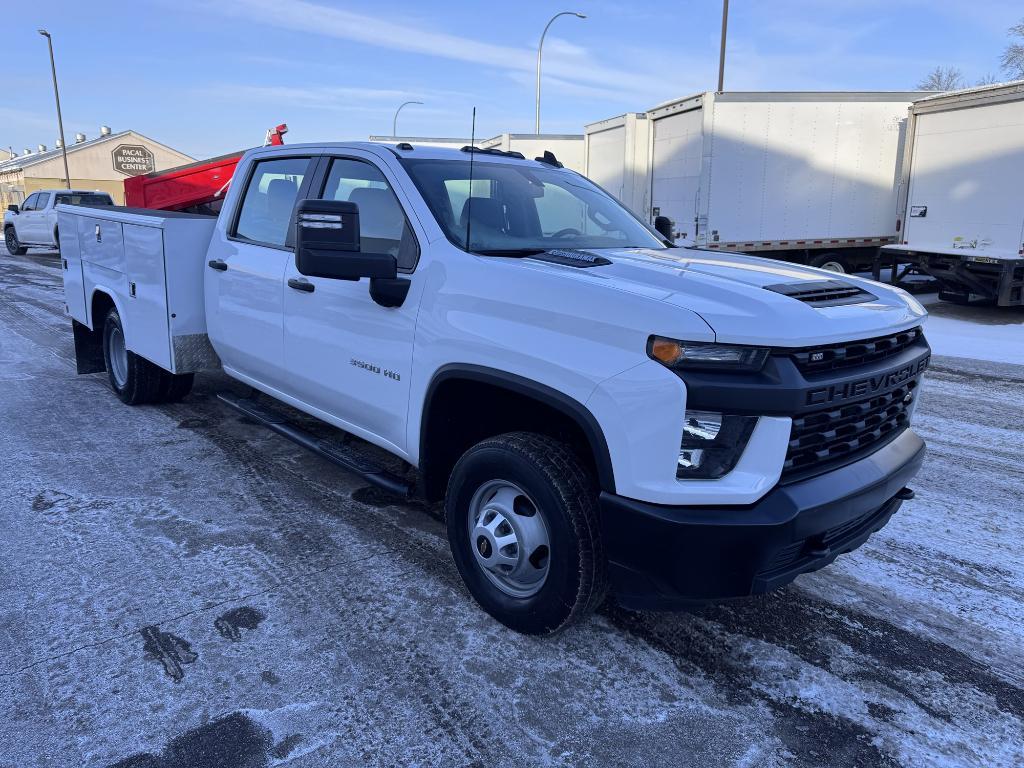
(130, 538)
(977, 331)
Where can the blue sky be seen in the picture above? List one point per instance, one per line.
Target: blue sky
(211, 77)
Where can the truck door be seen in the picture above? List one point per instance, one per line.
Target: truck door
(26, 222)
(245, 271)
(346, 355)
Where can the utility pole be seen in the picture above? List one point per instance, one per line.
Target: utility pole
(721, 54)
(60, 120)
(540, 52)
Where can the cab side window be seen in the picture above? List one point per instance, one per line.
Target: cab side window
(43, 201)
(383, 227)
(266, 212)
(30, 202)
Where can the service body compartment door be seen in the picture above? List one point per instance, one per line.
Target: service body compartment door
(71, 262)
(147, 332)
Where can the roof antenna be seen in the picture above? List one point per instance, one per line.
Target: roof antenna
(469, 200)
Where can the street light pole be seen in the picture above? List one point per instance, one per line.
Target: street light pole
(721, 53)
(394, 123)
(540, 52)
(60, 120)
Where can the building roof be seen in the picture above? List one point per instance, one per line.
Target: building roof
(18, 162)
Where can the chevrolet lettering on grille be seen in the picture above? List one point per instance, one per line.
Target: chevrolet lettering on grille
(864, 387)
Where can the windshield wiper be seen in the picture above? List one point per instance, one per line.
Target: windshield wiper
(512, 252)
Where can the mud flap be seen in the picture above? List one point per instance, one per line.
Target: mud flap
(88, 349)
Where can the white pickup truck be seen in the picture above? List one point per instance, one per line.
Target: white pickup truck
(34, 222)
(599, 410)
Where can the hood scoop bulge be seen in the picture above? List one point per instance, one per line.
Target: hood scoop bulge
(572, 258)
(823, 293)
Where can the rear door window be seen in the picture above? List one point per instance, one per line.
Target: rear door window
(269, 199)
(383, 227)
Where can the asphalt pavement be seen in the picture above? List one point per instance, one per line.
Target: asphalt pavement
(181, 588)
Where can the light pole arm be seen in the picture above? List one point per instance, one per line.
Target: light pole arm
(540, 53)
(394, 122)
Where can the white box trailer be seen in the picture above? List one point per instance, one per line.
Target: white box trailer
(617, 157)
(804, 176)
(567, 147)
(961, 201)
(147, 260)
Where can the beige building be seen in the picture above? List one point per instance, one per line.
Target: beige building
(102, 164)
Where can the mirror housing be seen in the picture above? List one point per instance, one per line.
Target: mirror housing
(663, 226)
(327, 243)
(13, 209)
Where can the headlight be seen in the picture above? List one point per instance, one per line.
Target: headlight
(693, 355)
(712, 444)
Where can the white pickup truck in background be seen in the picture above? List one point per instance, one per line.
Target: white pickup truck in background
(34, 222)
(598, 408)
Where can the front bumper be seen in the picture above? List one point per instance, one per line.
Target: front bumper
(671, 557)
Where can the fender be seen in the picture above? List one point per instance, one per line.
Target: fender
(559, 401)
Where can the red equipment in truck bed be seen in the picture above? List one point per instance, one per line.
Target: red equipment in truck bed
(198, 187)
(182, 188)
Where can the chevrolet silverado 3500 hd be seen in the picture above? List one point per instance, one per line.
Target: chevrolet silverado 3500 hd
(597, 408)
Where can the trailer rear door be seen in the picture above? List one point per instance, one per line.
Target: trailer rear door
(965, 181)
(675, 178)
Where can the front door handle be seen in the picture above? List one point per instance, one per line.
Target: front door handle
(301, 284)
(217, 264)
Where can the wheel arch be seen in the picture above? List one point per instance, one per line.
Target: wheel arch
(518, 399)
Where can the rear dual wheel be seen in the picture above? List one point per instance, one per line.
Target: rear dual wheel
(521, 513)
(134, 379)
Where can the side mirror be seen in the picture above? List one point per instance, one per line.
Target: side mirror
(663, 225)
(13, 209)
(327, 243)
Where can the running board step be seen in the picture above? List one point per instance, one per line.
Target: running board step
(275, 421)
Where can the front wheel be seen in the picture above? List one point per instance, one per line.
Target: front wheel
(14, 247)
(521, 513)
(134, 379)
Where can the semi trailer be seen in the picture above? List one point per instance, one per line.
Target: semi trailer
(803, 176)
(961, 204)
(598, 409)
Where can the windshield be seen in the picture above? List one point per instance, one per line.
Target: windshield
(517, 209)
(86, 198)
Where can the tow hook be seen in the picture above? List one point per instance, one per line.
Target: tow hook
(906, 494)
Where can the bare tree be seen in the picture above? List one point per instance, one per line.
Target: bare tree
(1013, 56)
(942, 79)
(988, 79)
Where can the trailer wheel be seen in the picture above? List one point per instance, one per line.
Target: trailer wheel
(13, 246)
(134, 379)
(831, 262)
(521, 513)
(175, 387)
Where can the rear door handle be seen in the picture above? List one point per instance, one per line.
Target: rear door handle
(217, 264)
(301, 284)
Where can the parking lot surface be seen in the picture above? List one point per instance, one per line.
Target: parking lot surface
(180, 587)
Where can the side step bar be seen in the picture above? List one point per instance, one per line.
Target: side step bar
(276, 422)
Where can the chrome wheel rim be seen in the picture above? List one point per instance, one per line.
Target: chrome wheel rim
(118, 357)
(509, 538)
(833, 266)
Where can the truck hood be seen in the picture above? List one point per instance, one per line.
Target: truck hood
(749, 300)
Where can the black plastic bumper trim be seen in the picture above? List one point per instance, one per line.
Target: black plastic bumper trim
(677, 556)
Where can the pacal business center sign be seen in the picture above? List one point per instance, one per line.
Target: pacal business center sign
(133, 160)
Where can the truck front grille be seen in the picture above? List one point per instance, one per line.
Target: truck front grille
(851, 353)
(845, 431)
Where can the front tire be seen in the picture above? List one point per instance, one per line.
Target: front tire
(134, 379)
(14, 247)
(521, 513)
